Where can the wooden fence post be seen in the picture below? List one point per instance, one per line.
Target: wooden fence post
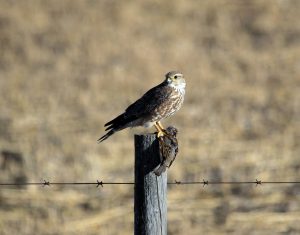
(150, 191)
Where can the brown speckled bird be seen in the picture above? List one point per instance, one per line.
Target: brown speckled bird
(168, 146)
(158, 103)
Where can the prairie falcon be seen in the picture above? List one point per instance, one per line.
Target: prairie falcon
(156, 104)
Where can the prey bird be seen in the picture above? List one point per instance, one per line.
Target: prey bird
(156, 104)
(168, 150)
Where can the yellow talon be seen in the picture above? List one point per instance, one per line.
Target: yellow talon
(160, 133)
(160, 130)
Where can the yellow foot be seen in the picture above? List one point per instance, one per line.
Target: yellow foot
(160, 133)
(160, 130)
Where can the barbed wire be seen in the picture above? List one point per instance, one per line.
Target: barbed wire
(101, 183)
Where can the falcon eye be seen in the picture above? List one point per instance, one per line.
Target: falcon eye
(175, 76)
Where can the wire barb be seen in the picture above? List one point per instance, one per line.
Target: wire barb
(46, 183)
(258, 182)
(99, 183)
(205, 182)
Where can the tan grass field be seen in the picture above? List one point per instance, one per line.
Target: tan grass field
(67, 67)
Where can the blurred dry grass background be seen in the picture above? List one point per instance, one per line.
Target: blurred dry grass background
(67, 67)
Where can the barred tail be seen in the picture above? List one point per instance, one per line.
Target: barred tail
(117, 124)
(108, 134)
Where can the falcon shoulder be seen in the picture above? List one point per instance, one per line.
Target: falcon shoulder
(149, 101)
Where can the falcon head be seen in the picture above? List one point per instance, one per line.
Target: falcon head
(175, 79)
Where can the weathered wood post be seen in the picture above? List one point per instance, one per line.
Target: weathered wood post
(150, 191)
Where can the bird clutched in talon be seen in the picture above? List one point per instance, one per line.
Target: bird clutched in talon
(160, 130)
(155, 105)
(168, 149)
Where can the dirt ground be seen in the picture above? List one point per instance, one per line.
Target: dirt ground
(67, 67)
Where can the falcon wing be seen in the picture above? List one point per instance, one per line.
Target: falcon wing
(149, 101)
(140, 108)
